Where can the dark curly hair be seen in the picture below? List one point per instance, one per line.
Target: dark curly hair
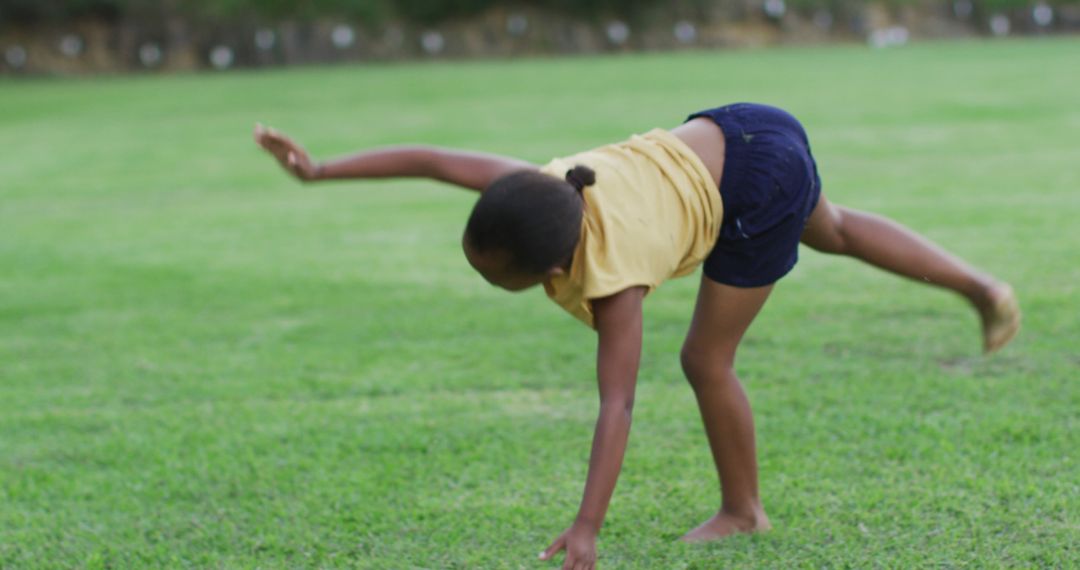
(533, 217)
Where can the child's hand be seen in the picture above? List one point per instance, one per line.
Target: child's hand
(580, 545)
(290, 155)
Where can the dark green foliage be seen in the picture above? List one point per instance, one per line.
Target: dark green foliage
(30, 11)
(420, 11)
(431, 11)
(847, 5)
(595, 7)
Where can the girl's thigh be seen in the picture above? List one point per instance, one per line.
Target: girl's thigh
(722, 315)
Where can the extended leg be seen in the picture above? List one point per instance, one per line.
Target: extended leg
(722, 315)
(886, 244)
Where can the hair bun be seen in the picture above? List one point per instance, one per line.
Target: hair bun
(581, 176)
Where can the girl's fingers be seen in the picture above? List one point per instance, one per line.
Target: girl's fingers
(270, 141)
(281, 150)
(272, 146)
(284, 150)
(266, 137)
(551, 550)
(282, 139)
(271, 138)
(269, 135)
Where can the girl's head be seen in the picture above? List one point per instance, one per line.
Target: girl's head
(525, 226)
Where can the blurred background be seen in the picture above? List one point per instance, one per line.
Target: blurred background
(90, 36)
(204, 364)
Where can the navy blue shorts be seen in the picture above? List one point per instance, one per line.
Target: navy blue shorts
(769, 186)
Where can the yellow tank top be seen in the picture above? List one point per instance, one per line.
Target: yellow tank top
(653, 214)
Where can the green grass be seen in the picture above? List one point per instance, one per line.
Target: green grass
(203, 364)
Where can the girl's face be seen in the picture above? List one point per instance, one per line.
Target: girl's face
(495, 267)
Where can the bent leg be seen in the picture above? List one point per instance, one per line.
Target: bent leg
(884, 243)
(721, 317)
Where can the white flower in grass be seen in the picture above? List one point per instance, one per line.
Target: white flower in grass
(433, 42)
(618, 32)
(342, 36)
(265, 39)
(1043, 14)
(889, 37)
(150, 54)
(1000, 25)
(685, 32)
(221, 57)
(71, 46)
(517, 25)
(775, 8)
(16, 56)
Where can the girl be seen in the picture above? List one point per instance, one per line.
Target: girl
(734, 188)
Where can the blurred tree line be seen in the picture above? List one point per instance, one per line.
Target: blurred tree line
(372, 11)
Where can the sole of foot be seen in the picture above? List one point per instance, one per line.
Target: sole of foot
(1000, 318)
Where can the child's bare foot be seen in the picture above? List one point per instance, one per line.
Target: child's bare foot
(725, 524)
(1000, 313)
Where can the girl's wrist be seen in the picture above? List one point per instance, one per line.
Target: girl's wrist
(586, 524)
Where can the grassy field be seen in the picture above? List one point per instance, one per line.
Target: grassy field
(204, 364)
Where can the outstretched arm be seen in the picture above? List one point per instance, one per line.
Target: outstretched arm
(472, 170)
(619, 324)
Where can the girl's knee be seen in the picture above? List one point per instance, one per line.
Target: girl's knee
(827, 233)
(704, 365)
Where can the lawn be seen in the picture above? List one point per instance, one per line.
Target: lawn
(204, 364)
